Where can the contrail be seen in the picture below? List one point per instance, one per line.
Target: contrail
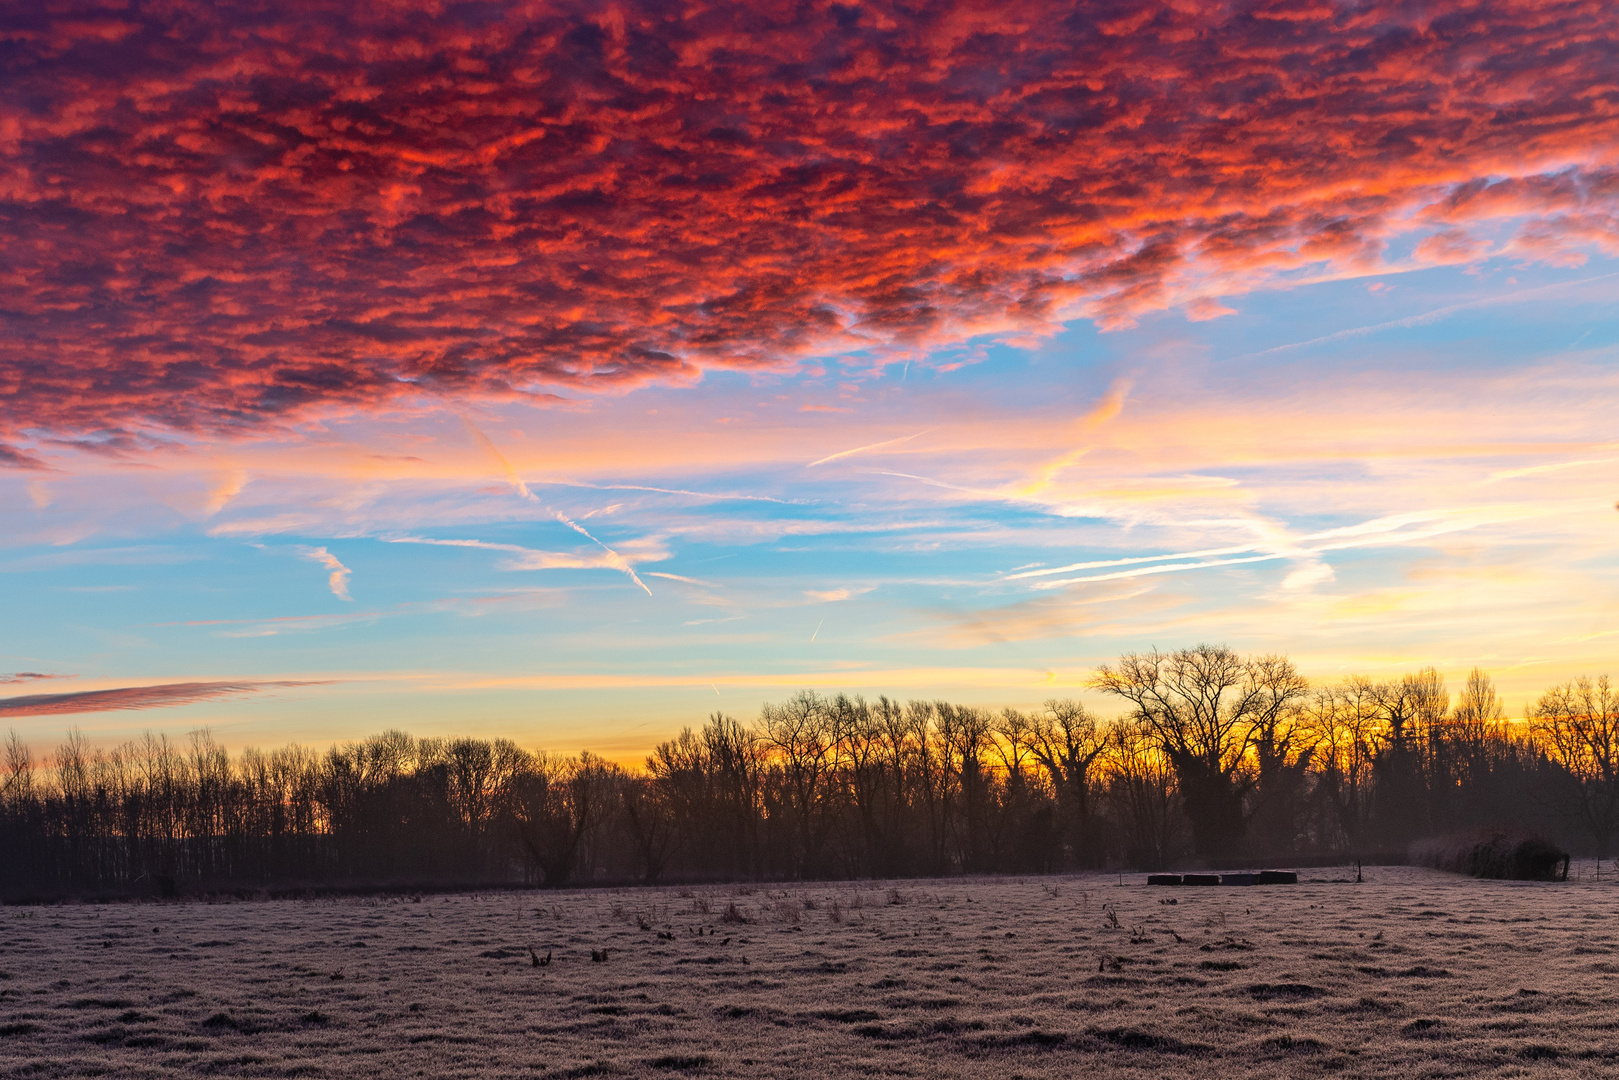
(1171, 568)
(522, 489)
(1535, 470)
(682, 577)
(710, 495)
(1379, 531)
(817, 629)
(511, 473)
(1110, 405)
(1071, 567)
(618, 560)
(1427, 317)
(863, 449)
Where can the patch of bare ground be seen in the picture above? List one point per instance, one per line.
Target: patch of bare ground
(1412, 973)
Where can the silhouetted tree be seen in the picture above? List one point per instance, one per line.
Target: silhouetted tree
(1579, 724)
(1218, 754)
(1204, 706)
(1141, 792)
(1066, 740)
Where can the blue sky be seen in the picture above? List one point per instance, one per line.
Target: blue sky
(1370, 474)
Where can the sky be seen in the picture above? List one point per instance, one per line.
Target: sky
(567, 372)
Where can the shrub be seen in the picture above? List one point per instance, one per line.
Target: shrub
(1506, 856)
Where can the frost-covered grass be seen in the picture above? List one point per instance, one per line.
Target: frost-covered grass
(1411, 973)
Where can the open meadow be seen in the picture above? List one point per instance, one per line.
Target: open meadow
(1410, 973)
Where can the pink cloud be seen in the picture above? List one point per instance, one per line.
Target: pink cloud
(131, 697)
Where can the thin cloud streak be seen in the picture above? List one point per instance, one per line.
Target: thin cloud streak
(1170, 569)
(709, 496)
(1383, 531)
(166, 695)
(1388, 525)
(841, 454)
(1537, 470)
(1101, 563)
(683, 579)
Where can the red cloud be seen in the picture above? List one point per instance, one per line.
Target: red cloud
(215, 215)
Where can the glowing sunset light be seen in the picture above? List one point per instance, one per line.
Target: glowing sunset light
(571, 371)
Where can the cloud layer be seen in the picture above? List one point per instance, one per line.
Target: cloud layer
(222, 215)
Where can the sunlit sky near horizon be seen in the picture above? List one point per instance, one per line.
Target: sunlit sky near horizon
(569, 372)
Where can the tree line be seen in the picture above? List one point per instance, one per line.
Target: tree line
(1216, 757)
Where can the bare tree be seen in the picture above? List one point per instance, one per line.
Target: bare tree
(1479, 713)
(802, 735)
(1066, 741)
(18, 785)
(1349, 731)
(1412, 709)
(1141, 792)
(866, 779)
(556, 803)
(736, 756)
(1578, 725)
(1284, 746)
(650, 814)
(1204, 706)
(964, 738)
(1481, 748)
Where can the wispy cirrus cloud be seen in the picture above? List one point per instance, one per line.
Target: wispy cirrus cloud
(277, 209)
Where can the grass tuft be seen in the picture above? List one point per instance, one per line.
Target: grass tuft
(680, 1062)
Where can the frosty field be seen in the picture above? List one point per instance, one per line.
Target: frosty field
(1411, 973)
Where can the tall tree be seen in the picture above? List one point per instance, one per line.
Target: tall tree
(1349, 729)
(1066, 740)
(1578, 724)
(1412, 709)
(557, 803)
(1141, 792)
(1204, 706)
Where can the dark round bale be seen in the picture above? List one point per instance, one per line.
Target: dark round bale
(1278, 877)
(1200, 879)
(1163, 879)
(1238, 879)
